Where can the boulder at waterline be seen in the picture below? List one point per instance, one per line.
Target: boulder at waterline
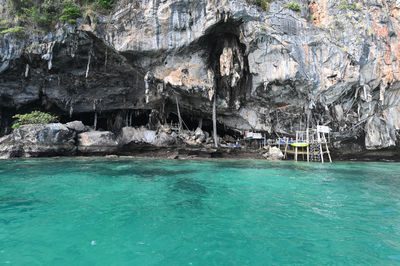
(78, 126)
(274, 153)
(143, 135)
(38, 140)
(94, 142)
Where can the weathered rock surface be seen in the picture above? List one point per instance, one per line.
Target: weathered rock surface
(199, 135)
(274, 71)
(144, 136)
(273, 154)
(137, 135)
(97, 142)
(10, 148)
(77, 126)
(38, 140)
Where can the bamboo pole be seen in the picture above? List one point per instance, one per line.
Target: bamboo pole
(322, 152)
(179, 113)
(308, 144)
(214, 117)
(329, 154)
(286, 148)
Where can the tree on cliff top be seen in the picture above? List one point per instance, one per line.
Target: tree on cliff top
(45, 14)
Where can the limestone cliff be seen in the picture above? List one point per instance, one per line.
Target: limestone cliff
(332, 63)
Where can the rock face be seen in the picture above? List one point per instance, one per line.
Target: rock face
(97, 142)
(77, 126)
(38, 140)
(137, 135)
(274, 154)
(330, 63)
(144, 136)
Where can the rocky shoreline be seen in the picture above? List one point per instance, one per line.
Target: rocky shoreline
(274, 71)
(76, 139)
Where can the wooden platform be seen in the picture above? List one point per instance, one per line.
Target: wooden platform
(312, 143)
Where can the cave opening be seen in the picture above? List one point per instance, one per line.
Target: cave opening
(228, 60)
(223, 130)
(192, 121)
(111, 120)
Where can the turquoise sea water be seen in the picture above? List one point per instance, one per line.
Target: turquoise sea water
(162, 212)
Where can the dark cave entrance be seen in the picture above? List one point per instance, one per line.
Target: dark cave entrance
(228, 60)
(107, 120)
(111, 120)
(226, 57)
(191, 121)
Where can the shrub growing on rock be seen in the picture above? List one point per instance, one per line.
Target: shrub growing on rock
(43, 15)
(104, 4)
(70, 12)
(35, 117)
(16, 29)
(264, 4)
(293, 6)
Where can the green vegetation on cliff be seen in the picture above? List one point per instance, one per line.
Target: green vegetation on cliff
(35, 117)
(264, 4)
(293, 6)
(45, 14)
(16, 29)
(70, 12)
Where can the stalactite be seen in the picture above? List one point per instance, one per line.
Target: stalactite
(146, 86)
(162, 112)
(105, 60)
(71, 109)
(88, 64)
(95, 121)
(49, 55)
(26, 70)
